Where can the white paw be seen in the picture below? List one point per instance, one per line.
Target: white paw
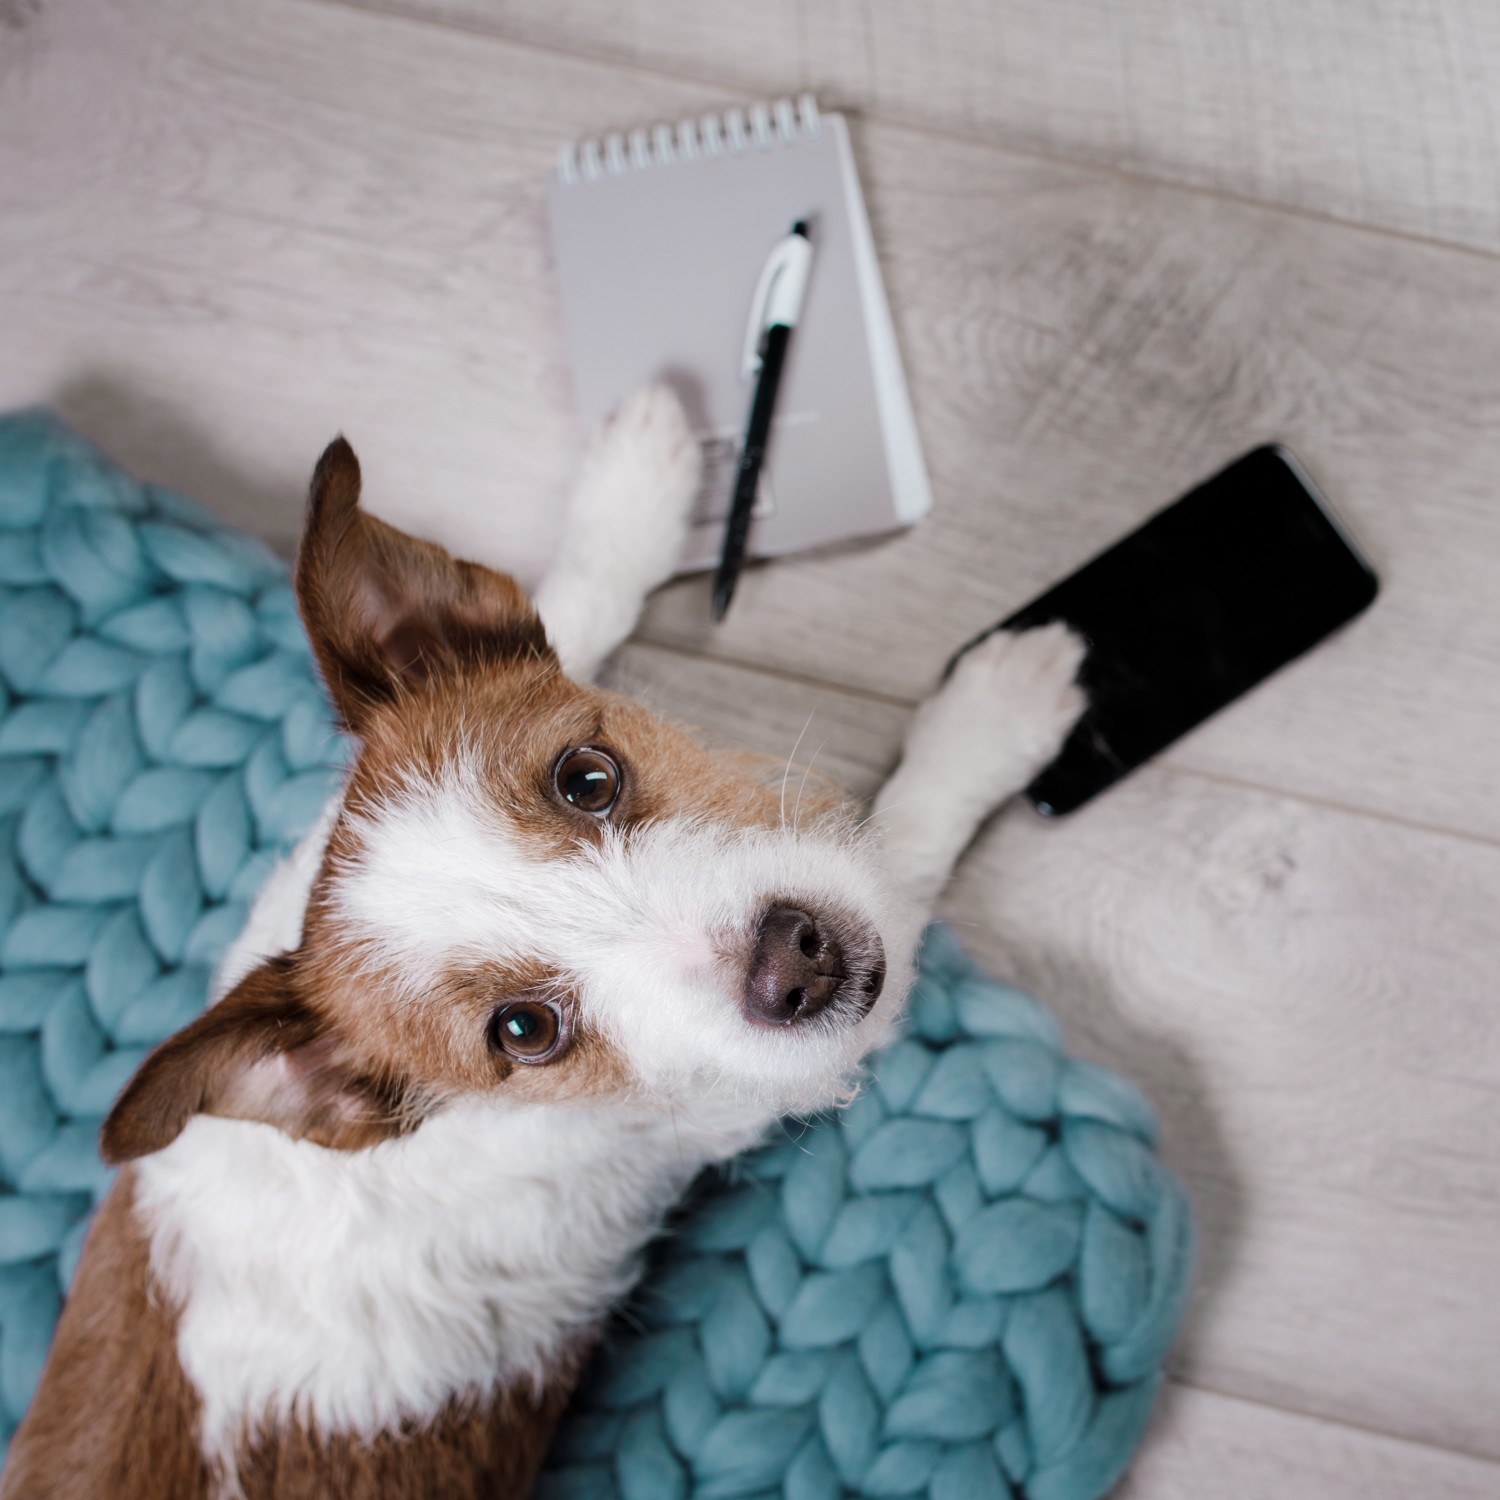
(636, 490)
(625, 528)
(1009, 705)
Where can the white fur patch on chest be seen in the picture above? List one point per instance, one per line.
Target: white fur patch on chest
(354, 1289)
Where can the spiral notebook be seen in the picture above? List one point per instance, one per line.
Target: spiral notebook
(660, 237)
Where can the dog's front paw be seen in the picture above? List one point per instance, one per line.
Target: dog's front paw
(626, 525)
(1002, 714)
(639, 480)
(1011, 701)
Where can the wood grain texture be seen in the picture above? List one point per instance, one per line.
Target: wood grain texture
(1383, 115)
(1204, 1446)
(229, 231)
(351, 204)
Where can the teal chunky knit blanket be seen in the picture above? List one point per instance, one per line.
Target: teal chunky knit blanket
(961, 1287)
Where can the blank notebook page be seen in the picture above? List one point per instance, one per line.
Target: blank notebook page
(659, 240)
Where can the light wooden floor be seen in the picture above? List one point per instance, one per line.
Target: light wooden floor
(1123, 243)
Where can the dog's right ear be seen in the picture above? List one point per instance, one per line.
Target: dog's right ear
(386, 611)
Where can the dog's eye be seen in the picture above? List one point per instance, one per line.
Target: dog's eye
(530, 1031)
(589, 780)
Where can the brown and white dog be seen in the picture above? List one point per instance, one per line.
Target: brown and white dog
(543, 960)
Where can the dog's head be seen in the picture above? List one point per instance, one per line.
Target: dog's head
(534, 890)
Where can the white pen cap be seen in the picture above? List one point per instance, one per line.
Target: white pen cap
(779, 293)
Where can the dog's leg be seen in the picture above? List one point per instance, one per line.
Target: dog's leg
(1001, 716)
(625, 528)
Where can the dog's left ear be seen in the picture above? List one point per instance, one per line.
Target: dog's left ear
(386, 611)
(260, 1054)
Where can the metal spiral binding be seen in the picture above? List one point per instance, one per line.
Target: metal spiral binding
(736, 131)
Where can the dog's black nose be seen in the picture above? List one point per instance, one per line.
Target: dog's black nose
(801, 962)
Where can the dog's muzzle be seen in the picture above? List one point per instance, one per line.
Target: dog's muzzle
(805, 964)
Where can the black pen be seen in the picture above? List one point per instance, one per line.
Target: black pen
(773, 315)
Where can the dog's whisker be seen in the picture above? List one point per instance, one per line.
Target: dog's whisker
(806, 772)
(791, 759)
(873, 816)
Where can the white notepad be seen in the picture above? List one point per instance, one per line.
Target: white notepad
(659, 238)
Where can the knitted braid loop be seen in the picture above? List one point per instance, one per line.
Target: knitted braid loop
(162, 740)
(961, 1287)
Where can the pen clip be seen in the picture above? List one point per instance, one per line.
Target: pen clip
(778, 295)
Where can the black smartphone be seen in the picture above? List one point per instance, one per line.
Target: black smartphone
(1208, 598)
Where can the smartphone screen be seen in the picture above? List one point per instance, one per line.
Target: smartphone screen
(1205, 600)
